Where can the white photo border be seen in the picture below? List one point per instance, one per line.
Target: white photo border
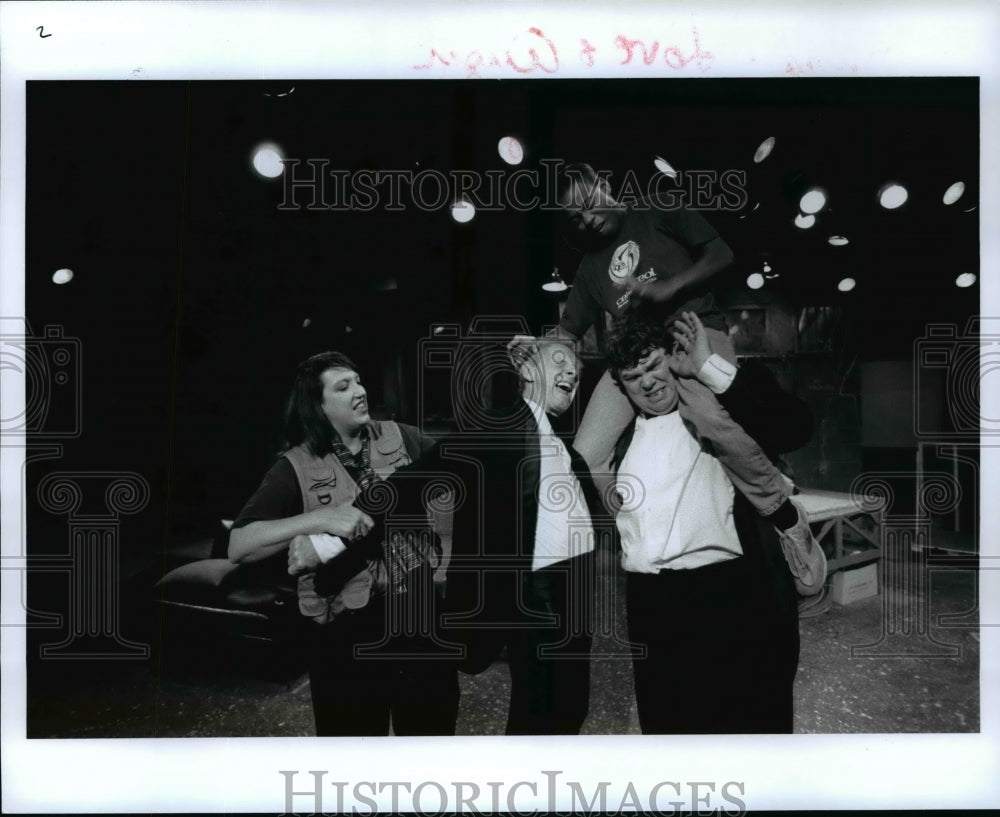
(254, 40)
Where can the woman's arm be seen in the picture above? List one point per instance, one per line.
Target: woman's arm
(253, 543)
(261, 539)
(273, 516)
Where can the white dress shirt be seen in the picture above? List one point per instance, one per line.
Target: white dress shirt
(677, 510)
(564, 528)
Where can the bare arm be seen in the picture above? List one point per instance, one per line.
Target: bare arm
(716, 256)
(263, 538)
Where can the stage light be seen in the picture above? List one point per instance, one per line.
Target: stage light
(966, 279)
(511, 150)
(838, 240)
(664, 167)
(954, 193)
(813, 201)
(555, 282)
(892, 195)
(306, 323)
(764, 150)
(755, 280)
(804, 222)
(348, 329)
(767, 267)
(62, 276)
(267, 160)
(846, 284)
(463, 211)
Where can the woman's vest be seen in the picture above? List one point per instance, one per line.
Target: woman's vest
(324, 481)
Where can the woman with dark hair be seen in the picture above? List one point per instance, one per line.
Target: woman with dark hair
(368, 668)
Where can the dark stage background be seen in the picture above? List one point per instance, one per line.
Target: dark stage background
(191, 286)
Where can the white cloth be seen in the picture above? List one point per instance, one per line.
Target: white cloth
(677, 510)
(439, 515)
(717, 373)
(327, 545)
(564, 528)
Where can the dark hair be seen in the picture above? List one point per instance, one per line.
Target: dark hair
(576, 173)
(630, 338)
(305, 421)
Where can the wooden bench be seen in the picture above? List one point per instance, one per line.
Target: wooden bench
(832, 511)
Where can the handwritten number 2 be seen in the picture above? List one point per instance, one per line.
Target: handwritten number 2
(41, 32)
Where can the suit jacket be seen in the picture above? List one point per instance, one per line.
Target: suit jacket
(494, 475)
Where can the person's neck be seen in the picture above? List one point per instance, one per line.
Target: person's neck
(599, 242)
(646, 416)
(353, 441)
(534, 399)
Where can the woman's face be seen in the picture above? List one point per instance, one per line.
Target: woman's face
(345, 401)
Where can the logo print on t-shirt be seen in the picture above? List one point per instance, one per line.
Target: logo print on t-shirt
(624, 260)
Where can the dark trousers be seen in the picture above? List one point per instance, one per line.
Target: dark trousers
(719, 656)
(382, 664)
(549, 656)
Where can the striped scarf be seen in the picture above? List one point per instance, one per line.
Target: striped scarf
(399, 553)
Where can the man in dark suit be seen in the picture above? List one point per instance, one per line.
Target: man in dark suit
(521, 573)
(710, 597)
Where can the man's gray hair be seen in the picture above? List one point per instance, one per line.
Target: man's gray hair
(540, 343)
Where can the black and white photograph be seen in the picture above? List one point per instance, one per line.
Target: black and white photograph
(560, 405)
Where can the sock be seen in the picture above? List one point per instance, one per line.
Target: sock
(787, 516)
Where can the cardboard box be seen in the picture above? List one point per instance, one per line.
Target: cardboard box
(854, 585)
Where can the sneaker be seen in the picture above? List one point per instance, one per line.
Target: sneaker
(804, 555)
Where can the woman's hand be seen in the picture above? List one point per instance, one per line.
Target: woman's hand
(344, 521)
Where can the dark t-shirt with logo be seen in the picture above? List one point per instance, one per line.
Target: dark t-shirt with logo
(654, 242)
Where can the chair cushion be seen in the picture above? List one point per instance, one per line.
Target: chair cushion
(205, 574)
(220, 585)
(261, 598)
